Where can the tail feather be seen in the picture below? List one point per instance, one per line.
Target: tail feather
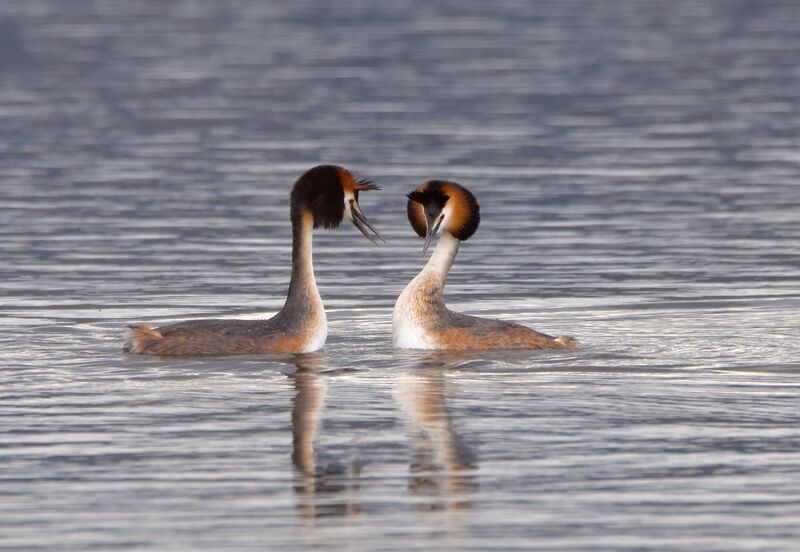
(567, 342)
(139, 337)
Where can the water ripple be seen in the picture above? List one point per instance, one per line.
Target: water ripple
(637, 170)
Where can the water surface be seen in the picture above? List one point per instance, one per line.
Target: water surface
(637, 167)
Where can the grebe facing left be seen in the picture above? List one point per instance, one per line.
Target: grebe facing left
(420, 319)
(320, 198)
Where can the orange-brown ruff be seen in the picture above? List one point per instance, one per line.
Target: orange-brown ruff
(420, 318)
(320, 198)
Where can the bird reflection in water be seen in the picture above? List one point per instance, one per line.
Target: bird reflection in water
(443, 468)
(326, 487)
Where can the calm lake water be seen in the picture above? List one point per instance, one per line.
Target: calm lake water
(638, 169)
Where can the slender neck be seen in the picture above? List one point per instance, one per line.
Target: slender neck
(303, 286)
(433, 276)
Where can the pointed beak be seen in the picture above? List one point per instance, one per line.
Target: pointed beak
(361, 222)
(430, 235)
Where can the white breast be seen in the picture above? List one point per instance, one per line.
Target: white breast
(407, 329)
(317, 332)
(317, 341)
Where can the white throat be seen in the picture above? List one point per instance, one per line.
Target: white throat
(412, 310)
(442, 258)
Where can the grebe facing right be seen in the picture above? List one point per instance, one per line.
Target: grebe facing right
(420, 319)
(320, 198)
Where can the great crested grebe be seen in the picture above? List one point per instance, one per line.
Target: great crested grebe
(420, 319)
(320, 198)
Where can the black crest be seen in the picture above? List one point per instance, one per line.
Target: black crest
(366, 184)
(431, 194)
(319, 191)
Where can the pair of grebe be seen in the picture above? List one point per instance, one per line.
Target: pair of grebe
(321, 198)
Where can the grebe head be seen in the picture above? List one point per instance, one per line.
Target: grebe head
(440, 206)
(329, 193)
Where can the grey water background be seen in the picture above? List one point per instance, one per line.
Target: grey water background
(638, 168)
